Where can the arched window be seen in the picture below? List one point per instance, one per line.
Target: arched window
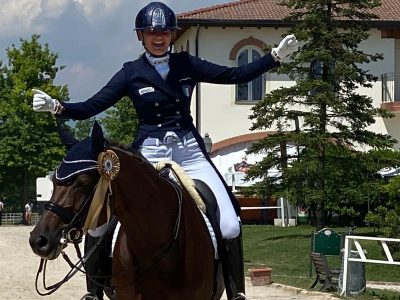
(254, 90)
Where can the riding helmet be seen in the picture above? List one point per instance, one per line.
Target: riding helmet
(156, 16)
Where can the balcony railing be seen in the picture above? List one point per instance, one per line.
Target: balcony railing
(390, 87)
(391, 92)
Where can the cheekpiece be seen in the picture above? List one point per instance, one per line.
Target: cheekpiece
(108, 164)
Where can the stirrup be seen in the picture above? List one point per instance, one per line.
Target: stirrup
(89, 296)
(240, 296)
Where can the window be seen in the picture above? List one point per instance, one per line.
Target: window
(254, 90)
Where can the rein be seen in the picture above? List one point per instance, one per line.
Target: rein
(75, 268)
(70, 234)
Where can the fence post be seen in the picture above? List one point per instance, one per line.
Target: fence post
(347, 250)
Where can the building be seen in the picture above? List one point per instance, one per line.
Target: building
(239, 32)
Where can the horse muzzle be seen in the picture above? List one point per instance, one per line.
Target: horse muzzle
(46, 247)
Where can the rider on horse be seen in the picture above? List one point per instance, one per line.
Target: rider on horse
(160, 84)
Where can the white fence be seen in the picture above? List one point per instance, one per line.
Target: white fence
(348, 245)
(16, 218)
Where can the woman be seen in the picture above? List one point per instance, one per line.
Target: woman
(160, 84)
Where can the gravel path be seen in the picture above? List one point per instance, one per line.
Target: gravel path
(19, 265)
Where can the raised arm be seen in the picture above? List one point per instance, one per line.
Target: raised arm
(113, 91)
(205, 71)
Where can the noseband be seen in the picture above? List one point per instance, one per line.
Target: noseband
(72, 231)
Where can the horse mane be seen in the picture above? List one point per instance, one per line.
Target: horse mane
(185, 180)
(127, 149)
(121, 146)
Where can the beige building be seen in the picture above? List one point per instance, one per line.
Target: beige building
(238, 32)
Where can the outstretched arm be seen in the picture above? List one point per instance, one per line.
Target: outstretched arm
(205, 71)
(113, 91)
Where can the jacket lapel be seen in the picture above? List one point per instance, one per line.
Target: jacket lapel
(148, 72)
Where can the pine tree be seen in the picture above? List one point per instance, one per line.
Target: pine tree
(329, 172)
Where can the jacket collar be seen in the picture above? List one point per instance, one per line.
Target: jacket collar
(151, 74)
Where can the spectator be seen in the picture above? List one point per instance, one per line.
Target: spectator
(1, 210)
(28, 213)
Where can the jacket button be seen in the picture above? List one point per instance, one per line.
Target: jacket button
(178, 100)
(156, 104)
(178, 112)
(159, 125)
(178, 124)
(158, 115)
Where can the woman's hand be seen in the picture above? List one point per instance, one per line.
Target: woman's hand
(43, 102)
(286, 47)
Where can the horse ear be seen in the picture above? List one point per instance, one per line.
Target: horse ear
(98, 140)
(66, 137)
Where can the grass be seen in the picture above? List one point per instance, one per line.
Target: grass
(286, 251)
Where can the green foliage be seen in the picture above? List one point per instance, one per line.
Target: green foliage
(328, 173)
(30, 146)
(83, 128)
(121, 122)
(377, 218)
(387, 214)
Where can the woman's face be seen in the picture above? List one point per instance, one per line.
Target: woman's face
(156, 41)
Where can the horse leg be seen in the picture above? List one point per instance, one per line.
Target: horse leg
(122, 278)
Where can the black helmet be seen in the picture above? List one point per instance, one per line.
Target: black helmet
(156, 16)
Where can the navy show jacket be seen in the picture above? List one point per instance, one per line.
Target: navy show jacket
(164, 105)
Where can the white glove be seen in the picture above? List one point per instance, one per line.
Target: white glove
(43, 102)
(286, 47)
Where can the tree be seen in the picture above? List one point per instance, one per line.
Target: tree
(329, 172)
(121, 122)
(30, 146)
(83, 128)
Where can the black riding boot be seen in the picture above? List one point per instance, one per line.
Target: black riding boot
(233, 268)
(98, 267)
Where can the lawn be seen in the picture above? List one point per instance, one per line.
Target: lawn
(287, 250)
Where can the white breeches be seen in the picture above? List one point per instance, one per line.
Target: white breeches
(188, 155)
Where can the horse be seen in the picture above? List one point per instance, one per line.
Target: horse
(163, 249)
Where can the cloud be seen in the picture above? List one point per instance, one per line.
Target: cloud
(95, 9)
(81, 72)
(17, 17)
(53, 8)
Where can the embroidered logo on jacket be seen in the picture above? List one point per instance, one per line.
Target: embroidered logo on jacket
(146, 90)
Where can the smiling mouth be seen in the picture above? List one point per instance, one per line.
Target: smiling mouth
(159, 45)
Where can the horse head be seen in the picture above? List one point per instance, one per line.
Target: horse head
(74, 182)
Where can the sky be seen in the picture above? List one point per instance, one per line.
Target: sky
(93, 38)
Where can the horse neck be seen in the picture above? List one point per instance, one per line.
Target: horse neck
(145, 204)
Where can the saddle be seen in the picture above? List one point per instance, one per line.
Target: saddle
(201, 194)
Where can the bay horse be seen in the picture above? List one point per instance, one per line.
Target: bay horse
(163, 249)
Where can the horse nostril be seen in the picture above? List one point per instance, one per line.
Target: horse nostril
(41, 241)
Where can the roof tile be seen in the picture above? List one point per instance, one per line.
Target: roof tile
(253, 10)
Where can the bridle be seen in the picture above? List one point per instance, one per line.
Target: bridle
(71, 233)
(73, 230)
